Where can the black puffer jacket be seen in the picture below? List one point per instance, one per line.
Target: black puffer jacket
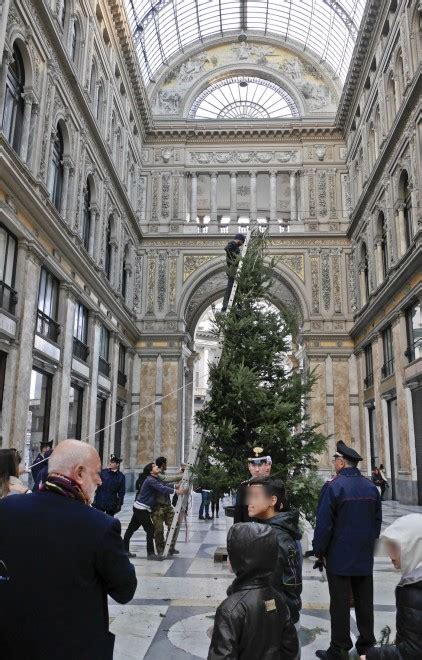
(287, 576)
(408, 644)
(253, 622)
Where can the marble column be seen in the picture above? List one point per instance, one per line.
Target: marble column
(213, 205)
(401, 229)
(30, 161)
(29, 100)
(92, 231)
(233, 197)
(253, 212)
(194, 197)
(273, 195)
(378, 261)
(293, 195)
(95, 323)
(63, 202)
(67, 301)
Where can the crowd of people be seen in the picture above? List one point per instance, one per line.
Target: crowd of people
(72, 511)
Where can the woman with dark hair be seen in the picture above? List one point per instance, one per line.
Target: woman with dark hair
(10, 484)
(143, 505)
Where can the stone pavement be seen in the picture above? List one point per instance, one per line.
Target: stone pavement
(171, 615)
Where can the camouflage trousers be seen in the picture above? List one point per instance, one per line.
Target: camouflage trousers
(162, 513)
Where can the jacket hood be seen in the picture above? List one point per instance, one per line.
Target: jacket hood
(288, 521)
(407, 533)
(252, 550)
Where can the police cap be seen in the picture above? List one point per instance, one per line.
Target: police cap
(343, 451)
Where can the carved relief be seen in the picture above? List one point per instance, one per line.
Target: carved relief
(137, 293)
(223, 157)
(332, 193)
(315, 281)
(312, 202)
(161, 296)
(142, 188)
(172, 283)
(347, 199)
(176, 196)
(322, 192)
(295, 262)
(165, 195)
(155, 194)
(191, 263)
(352, 280)
(336, 282)
(151, 284)
(326, 279)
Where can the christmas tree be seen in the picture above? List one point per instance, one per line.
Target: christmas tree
(257, 397)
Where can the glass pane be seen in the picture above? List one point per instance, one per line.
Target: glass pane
(10, 261)
(75, 412)
(39, 409)
(3, 244)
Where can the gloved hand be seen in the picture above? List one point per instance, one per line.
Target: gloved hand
(319, 564)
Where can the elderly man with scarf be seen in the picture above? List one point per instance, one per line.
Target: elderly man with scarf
(86, 562)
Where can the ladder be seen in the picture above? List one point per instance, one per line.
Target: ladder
(186, 483)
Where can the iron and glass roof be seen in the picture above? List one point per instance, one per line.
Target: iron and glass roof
(163, 29)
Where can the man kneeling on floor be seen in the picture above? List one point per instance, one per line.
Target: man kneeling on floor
(254, 621)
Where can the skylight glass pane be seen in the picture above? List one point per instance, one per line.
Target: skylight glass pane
(326, 28)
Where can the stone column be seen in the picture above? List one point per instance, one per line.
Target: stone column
(29, 100)
(273, 195)
(30, 161)
(378, 261)
(213, 205)
(114, 363)
(7, 60)
(293, 195)
(401, 231)
(92, 231)
(67, 301)
(252, 180)
(194, 197)
(53, 135)
(66, 173)
(30, 259)
(4, 11)
(95, 323)
(233, 197)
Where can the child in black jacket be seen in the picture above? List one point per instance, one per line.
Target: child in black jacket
(254, 621)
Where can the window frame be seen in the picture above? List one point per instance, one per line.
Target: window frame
(80, 339)
(387, 368)
(14, 104)
(369, 367)
(48, 306)
(8, 272)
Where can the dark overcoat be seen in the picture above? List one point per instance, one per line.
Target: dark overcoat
(111, 494)
(348, 523)
(63, 558)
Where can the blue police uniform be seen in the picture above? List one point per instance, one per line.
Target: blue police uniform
(110, 495)
(349, 518)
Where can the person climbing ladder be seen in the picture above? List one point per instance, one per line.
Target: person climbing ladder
(232, 251)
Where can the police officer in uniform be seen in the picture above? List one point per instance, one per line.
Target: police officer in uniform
(259, 466)
(348, 523)
(110, 495)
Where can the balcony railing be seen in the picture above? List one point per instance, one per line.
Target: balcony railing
(103, 367)
(80, 350)
(388, 368)
(47, 327)
(8, 298)
(369, 381)
(414, 351)
(121, 379)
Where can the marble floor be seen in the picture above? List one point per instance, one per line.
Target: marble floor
(171, 615)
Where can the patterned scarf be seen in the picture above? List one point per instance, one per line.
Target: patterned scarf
(58, 483)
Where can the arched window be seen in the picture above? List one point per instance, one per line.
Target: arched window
(74, 40)
(405, 196)
(400, 75)
(14, 104)
(108, 250)
(55, 177)
(100, 101)
(86, 228)
(62, 15)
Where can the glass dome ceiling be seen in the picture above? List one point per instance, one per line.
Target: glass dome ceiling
(163, 29)
(243, 97)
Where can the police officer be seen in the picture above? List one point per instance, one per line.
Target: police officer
(348, 522)
(110, 495)
(38, 466)
(259, 466)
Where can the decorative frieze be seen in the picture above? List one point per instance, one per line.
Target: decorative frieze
(165, 195)
(326, 279)
(315, 281)
(176, 197)
(242, 157)
(295, 262)
(161, 295)
(336, 281)
(350, 261)
(322, 192)
(346, 196)
(142, 189)
(332, 193)
(151, 284)
(172, 283)
(191, 263)
(137, 293)
(155, 195)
